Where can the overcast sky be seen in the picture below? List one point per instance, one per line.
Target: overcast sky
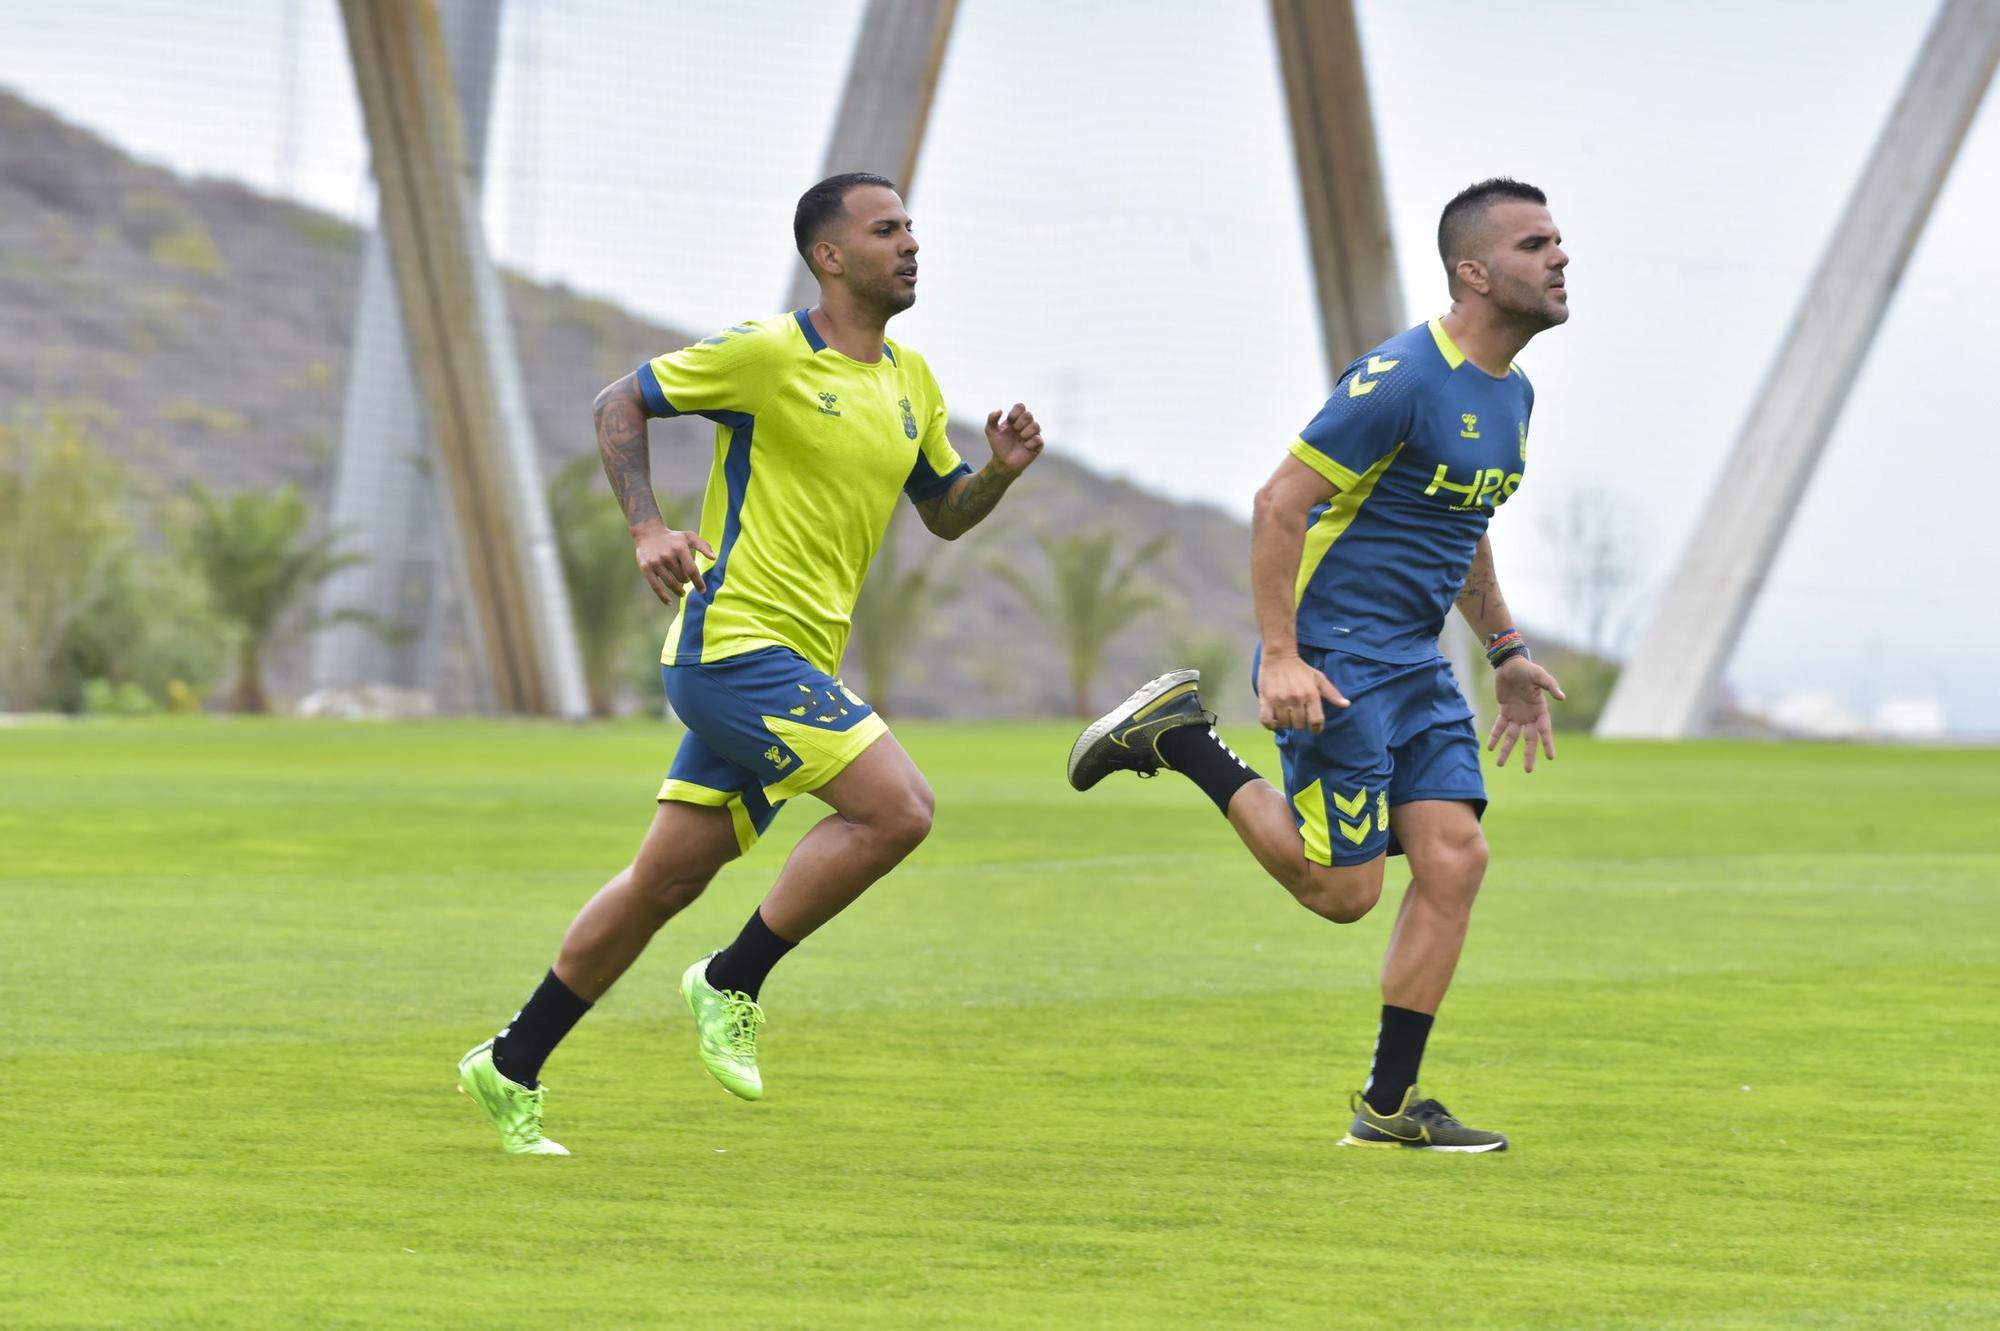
(1112, 233)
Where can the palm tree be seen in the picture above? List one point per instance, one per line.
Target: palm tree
(609, 601)
(1087, 598)
(1216, 655)
(251, 551)
(894, 607)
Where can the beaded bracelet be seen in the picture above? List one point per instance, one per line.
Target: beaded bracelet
(1504, 647)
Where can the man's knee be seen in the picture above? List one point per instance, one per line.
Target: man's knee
(668, 875)
(1450, 868)
(906, 819)
(1342, 893)
(669, 889)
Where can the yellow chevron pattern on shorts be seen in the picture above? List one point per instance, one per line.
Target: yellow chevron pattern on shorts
(1355, 806)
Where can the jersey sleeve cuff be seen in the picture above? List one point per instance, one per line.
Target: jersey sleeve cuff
(925, 485)
(656, 399)
(1325, 465)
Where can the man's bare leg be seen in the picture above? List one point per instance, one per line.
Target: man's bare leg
(1447, 855)
(682, 850)
(882, 810)
(1343, 893)
(1163, 725)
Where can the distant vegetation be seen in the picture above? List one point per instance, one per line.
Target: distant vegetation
(619, 622)
(261, 566)
(1087, 596)
(209, 328)
(897, 609)
(89, 622)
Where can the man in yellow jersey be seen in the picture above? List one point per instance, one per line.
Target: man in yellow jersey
(820, 423)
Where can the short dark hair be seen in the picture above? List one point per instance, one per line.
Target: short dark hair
(1467, 210)
(824, 202)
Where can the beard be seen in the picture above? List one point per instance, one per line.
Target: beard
(1532, 306)
(886, 295)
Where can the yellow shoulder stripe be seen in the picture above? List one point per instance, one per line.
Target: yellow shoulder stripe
(1324, 465)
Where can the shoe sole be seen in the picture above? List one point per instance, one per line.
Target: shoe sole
(1351, 1140)
(1125, 711)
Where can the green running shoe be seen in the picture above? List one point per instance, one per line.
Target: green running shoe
(728, 1022)
(514, 1109)
(1127, 738)
(1421, 1125)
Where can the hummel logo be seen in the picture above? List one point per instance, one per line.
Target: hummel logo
(1359, 386)
(826, 401)
(1471, 430)
(777, 759)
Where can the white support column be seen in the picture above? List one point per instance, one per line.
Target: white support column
(1667, 689)
(887, 104)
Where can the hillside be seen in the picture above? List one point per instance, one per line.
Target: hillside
(208, 324)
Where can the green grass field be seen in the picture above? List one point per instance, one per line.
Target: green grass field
(1076, 1064)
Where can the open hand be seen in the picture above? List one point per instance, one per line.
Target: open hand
(1522, 689)
(1016, 438)
(666, 557)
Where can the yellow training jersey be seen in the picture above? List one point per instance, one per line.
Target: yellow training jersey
(810, 450)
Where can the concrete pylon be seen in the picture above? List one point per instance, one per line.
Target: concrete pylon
(1667, 689)
(464, 360)
(1360, 295)
(384, 498)
(887, 104)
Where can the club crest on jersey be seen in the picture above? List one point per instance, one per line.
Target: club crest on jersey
(1471, 428)
(826, 407)
(909, 419)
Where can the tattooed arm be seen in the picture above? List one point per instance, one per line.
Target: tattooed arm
(961, 508)
(1479, 599)
(1520, 687)
(1017, 441)
(666, 557)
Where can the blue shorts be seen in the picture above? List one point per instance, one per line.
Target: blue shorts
(761, 728)
(1407, 734)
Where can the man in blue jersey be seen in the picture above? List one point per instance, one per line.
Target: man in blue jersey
(1369, 531)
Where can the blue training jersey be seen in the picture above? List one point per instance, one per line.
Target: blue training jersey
(1423, 445)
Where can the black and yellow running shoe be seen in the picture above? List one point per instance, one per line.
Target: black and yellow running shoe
(1420, 1125)
(1127, 738)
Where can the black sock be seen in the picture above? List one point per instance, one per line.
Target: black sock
(1399, 1052)
(1198, 754)
(521, 1049)
(743, 965)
